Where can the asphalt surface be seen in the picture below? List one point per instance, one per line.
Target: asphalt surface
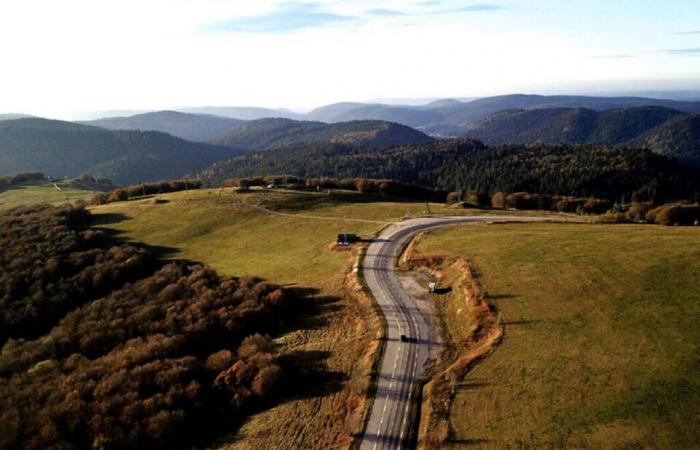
(403, 362)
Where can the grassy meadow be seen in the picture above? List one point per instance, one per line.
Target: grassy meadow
(32, 194)
(602, 345)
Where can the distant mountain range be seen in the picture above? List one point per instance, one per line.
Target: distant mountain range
(193, 127)
(125, 156)
(440, 118)
(265, 134)
(117, 150)
(452, 118)
(666, 131)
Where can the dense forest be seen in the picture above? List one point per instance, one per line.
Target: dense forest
(104, 348)
(464, 165)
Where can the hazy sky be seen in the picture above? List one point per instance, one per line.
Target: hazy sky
(72, 55)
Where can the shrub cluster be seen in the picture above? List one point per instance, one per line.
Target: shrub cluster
(675, 214)
(137, 190)
(150, 364)
(667, 214)
(544, 202)
(12, 180)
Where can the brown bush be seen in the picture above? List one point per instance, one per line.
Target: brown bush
(478, 199)
(637, 212)
(596, 206)
(498, 200)
(453, 197)
(675, 214)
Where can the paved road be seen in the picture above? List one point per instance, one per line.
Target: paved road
(403, 362)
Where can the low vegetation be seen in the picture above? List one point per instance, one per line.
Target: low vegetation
(601, 342)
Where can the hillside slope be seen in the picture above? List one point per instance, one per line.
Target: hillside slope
(665, 131)
(570, 126)
(192, 127)
(68, 149)
(265, 134)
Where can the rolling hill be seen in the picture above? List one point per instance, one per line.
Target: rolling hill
(265, 134)
(570, 126)
(124, 156)
(192, 127)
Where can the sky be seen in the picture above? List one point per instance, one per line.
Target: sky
(61, 57)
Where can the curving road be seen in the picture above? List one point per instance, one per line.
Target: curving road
(403, 361)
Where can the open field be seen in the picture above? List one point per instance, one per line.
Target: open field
(602, 347)
(32, 194)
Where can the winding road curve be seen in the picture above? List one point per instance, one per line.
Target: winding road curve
(403, 362)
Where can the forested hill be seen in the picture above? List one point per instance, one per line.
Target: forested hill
(126, 157)
(613, 173)
(193, 127)
(265, 134)
(678, 138)
(663, 130)
(570, 126)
